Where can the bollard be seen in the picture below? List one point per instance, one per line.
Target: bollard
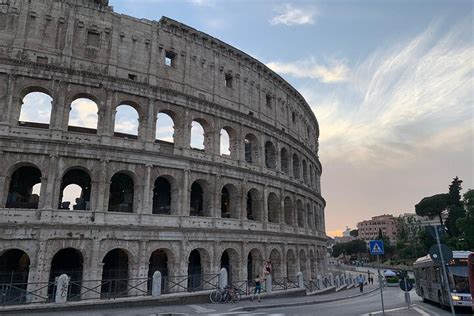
(300, 280)
(156, 284)
(222, 278)
(268, 284)
(62, 286)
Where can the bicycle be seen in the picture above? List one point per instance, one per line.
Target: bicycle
(226, 295)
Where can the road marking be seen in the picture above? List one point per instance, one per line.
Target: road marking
(380, 312)
(426, 310)
(200, 309)
(422, 311)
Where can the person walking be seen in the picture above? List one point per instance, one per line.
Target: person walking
(369, 278)
(258, 288)
(360, 281)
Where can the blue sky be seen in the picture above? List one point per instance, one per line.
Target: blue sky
(390, 82)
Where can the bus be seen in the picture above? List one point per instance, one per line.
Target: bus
(428, 280)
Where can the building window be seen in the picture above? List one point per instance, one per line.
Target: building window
(93, 39)
(293, 117)
(269, 100)
(132, 77)
(170, 59)
(228, 80)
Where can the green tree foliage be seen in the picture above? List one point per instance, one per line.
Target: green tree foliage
(455, 208)
(466, 224)
(354, 233)
(433, 206)
(353, 247)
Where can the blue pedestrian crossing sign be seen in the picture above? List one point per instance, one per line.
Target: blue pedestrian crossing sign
(376, 247)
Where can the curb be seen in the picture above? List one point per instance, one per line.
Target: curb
(252, 308)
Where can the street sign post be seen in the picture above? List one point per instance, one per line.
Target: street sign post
(376, 248)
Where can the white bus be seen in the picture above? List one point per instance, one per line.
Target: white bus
(428, 279)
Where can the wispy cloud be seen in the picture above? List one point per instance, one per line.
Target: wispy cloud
(290, 15)
(206, 3)
(83, 113)
(336, 71)
(36, 108)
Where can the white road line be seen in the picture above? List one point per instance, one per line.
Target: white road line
(422, 312)
(200, 309)
(426, 310)
(380, 312)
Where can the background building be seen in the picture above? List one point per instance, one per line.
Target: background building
(369, 229)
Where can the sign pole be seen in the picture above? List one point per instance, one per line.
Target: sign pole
(407, 294)
(444, 275)
(380, 284)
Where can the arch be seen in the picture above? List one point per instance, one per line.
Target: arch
(303, 263)
(300, 210)
(296, 166)
(67, 261)
(165, 127)
(230, 261)
(198, 266)
(229, 202)
(199, 204)
(275, 260)
(198, 136)
(254, 264)
(83, 116)
(161, 260)
(310, 215)
(229, 143)
(162, 196)
(254, 205)
(224, 147)
(305, 171)
(251, 148)
(289, 211)
(80, 182)
(115, 273)
(273, 208)
(121, 193)
(36, 108)
(311, 176)
(20, 193)
(14, 270)
(127, 121)
(285, 161)
(312, 264)
(291, 263)
(270, 155)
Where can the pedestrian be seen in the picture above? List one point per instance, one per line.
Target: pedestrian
(258, 288)
(360, 281)
(369, 278)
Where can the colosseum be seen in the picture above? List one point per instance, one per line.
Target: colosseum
(243, 192)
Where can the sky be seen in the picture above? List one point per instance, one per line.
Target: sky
(390, 82)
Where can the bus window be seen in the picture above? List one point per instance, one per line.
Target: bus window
(458, 279)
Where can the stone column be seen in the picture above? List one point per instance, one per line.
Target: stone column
(104, 188)
(215, 195)
(147, 192)
(186, 192)
(94, 194)
(243, 200)
(93, 272)
(44, 202)
(39, 274)
(3, 191)
(265, 206)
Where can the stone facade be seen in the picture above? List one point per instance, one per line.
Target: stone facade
(73, 49)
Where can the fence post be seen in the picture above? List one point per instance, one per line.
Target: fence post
(156, 284)
(62, 286)
(223, 278)
(268, 284)
(300, 280)
(318, 284)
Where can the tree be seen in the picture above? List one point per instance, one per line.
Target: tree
(349, 248)
(466, 224)
(455, 207)
(354, 233)
(433, 206)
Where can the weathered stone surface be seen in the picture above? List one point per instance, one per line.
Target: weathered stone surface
(78, 48)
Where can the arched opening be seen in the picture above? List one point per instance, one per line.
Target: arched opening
(285, 161)
(198, 203)
(36, 110)
(254, 264)
(273, 208)
(225, 203)
(14, 269)
(83, 116)
(270, 155)
(75, 188)
(159, 262)
(311, 176)
(115, 274)
(303, 263)
(224, 143)
(296, 166)
(121, 193)
(164, 128)
(300, 209)
(312, 264)
(229, 202)
(20, 193)
(275, 260)
(162, 196)
(251, 148)
(254, 208)
(197, 136)
(291, 264)
(310, 216)
(195, 271)
(67, 261)
(289, 214)
(126, 122)
(305, 172)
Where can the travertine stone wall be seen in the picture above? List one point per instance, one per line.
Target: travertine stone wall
(81, 48)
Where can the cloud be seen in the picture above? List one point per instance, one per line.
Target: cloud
(289, 15)
(36, 108)
(337, 71)
(206, 3)
(83, 113)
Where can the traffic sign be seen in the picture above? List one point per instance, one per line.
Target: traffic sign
(431, 230)
(436, 256)
(376, 247)
(406, 285)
